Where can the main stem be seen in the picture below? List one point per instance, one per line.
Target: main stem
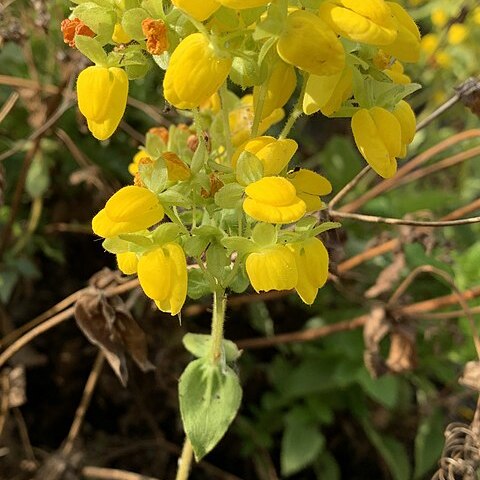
(185, 461)
(218, 319)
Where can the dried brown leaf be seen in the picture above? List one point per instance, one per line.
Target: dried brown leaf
(17, 393)
(402, 356)
(374, 331)
(471, 376)
(387, 277)
(107, 323)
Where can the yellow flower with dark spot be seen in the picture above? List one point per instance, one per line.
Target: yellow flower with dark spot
(273, 200)
(310, 186)
(378, 136)
(274, 154)
(366, 21)
(162, 274)
(127, 262)
(102, 97)
(310, 44)
(311, 258)
(195, 72)
(273, 268)
(129, 210)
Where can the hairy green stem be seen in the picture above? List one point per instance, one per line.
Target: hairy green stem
(218, 319)
(185, 461)
(296, 112)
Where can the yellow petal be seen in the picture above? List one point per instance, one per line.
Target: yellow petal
(263, 212)
(242, 4)
(272, 269)
(276, 191)
(307, 181)
(406, 117)
(127, 262)
(155, 274)
(199, 10)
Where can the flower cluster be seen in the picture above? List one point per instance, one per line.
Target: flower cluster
(219, 190)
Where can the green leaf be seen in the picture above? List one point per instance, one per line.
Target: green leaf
(165, 233)
(238, 244)
(132, 23)
(323, 227)
(385, 390)
(241, 281)
(154, 145)
(38, 177)
(429, 443)
(229, 196)
(195, 246)
(217, 259)
(199, 157)
(154, 175)
(301, 444)
(264, 234)
(137, 239)
(116, 245)
(92, 49)
(210, 396)
(198, 285)
(199, 345)
(249, 169)
(327, 467)
(8, 280)
(391, 450)
(274, 22)
(100, 19)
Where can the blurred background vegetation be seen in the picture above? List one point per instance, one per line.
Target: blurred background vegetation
(361, 386)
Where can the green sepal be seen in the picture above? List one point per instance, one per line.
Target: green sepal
(249, 169)
(210, 395)
(92, 49)
(116, 245)
(245, 71)
(240, 282)
(264, 234)
(241, 245)
(200, 346)
(323, 227)
(132, 23)
(274, 22)
(199, 157)
(154, 175)
(229, 196)
(137, 239)
(217, 260)
(165, 233)
(172, 197)
(154, 145)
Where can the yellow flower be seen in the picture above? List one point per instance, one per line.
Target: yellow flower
(274, 154)
(242, 4)
(366, 21)
(457, 33)
(327, 93)
(378, 136)
(279, 89)
(163, 277)
(120, 35)
(195, 72)
(406, 47)
(309, 44)
(273, 200)
(199, 10)
(310, 186)
(102, 97)
(133, 167)
(429, 43)
(241, 120)
(129, 210)
(273, 268)
(311, 258)
(476, 15)
(127, 262)
(396, 73)
(408, 124)
(439, 17)
(177, 170)
(443, 59)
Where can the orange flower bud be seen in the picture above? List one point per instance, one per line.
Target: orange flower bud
(70, 28)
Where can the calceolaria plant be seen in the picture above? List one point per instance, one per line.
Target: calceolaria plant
(214, 206)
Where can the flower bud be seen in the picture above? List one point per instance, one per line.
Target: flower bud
(195, 72)
(102, 97)
(310, 44)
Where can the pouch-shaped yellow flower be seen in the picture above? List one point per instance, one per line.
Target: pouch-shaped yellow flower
(273, 200)
(274, 154)
(102, 97)
(408, 124)
(406, 47)
(127, 262)
(366, 21)
(129, 210)
(396, 73)
(195, 72)
(310, 44)
(378, 136)
(279, 89)
(310, 186)
(198, 9)
(327, 93)
(163, 277)
(273, 268)
(311, 258)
